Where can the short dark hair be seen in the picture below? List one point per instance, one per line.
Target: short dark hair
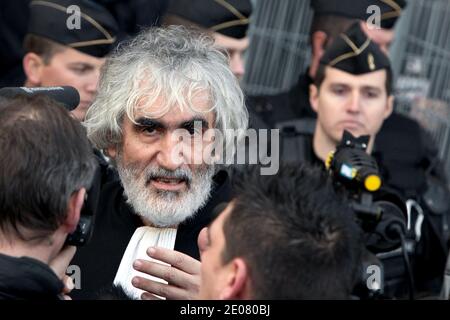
(41, 46)
(297, 235)
(320, 77)
(332, 25)
(45, 158)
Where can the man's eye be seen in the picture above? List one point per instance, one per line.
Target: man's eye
(371, 94)
(80, 70)
(339, 91)
(149, 130)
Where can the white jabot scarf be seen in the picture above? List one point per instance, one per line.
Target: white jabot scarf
(142, 239)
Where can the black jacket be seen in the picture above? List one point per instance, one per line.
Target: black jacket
(27, 279)
(115, 225)
(14, 17)
(284, 106)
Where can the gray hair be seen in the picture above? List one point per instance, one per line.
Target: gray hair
(172, 64)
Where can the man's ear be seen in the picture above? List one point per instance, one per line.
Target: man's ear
(237, 283)
(73, 210)
(389, 107)
(314, 97)
(111, 151)
(318, 42)
(32, 66)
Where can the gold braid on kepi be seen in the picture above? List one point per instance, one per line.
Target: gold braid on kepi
(390, 10)
(228, 17)
(354, 53)
(91, 29)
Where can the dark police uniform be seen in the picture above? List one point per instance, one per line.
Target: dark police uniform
(295, 102)
(405, 154)
(403, 165)
(48, 19)
(229, 18)
(134, 15)
(14, 17)
(95, 36)
(293, 109)
(116, 223)
(286, 106)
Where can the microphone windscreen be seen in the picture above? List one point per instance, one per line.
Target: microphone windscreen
(66, 95)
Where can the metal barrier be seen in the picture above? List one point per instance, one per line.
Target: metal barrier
(279, 45)
(421, 61)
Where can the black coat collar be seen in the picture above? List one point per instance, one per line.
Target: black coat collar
(27, 278)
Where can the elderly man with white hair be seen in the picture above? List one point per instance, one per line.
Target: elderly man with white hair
(164, 81)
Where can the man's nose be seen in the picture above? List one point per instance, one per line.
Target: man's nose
(92, 82)
(354, 105)
(170, 154)
(237, 65)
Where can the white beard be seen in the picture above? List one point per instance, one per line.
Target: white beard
(165, 208)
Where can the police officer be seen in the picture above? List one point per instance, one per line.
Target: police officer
(353, 91)
(226, 20)
(331, 18)
(66, 44)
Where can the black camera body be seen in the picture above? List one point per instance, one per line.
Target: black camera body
(379, 211)
(85, 227)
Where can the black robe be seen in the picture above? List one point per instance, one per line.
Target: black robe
(115, 225)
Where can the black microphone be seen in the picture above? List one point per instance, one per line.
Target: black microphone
(66, 95)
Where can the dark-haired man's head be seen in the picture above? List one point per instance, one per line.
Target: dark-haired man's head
(46, 165)
(288, 236)
(65, 46)
(333, 17)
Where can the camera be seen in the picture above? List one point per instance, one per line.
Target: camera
(380, 212)
(85, 227)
